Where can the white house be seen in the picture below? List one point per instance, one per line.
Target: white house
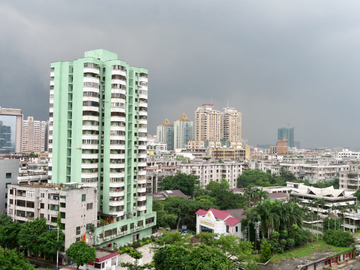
(220, 222)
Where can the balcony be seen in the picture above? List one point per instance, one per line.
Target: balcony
(117, 127)
(117, 184)
(116, 203)
(89, 165)
(91, 79)
(141, 181)
(143, 113)
(117, 146)
(117, 165)
(143, 104)
(141, 198)
(142, 189)
(89, 156)
(119, 214)
(89, 175)
(118, 72)
(142, 146)
(118, 91)
(117, 156)
(91, 108)
(142, 172)
(141, 208)
(117, 137)
(117, 119)
(142, 130)
(142, 121)
(116, 175)
(90, 127)
(118, 81)
(91, 70)
(116, 193)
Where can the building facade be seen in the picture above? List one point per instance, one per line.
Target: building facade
(77, 206)
(98, 135)
(183, 131)
(34, 135)
(287, 133)
(165, 134)
(9, 172)
(10, 130)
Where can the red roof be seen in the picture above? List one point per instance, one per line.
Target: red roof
(151, 168)
(201, 212)
(219, 214)
(109, 256)
(232, 221)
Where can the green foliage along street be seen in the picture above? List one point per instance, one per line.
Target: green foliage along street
(265, 251)
(184, 182)
(11, 260)
(223, 252)
(80, 253)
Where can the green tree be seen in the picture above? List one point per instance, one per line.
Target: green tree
(137, 255)
(30, 233)
(338, 238)
(163, 218)
(48, 243)
(357, 194)
(184, 182)
(11, 260)
(9, 232)
(265, 251)
(80, 253)
(208, 257)
(249, 177)
(171, 257)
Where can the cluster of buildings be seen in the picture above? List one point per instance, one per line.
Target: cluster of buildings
(18, 135)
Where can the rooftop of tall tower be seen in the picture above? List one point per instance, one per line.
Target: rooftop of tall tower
(102, 55)
(166, 123)
(183, 117)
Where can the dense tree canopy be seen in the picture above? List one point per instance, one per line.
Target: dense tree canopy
(11, 260)
(80, 253)
(9, 232)
(181, 181)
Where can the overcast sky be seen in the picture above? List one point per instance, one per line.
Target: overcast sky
(277, 62)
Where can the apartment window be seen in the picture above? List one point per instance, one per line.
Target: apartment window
(77, 230)
(11, 201)
(63, 205)
(8, 175)
(78, 239)
(89, 206)
(83, 197)
(63, 197)
(42, 206)
(42, 195)
(62, 214)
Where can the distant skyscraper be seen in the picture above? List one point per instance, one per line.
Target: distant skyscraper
(213, 125)
(287, 133)
(10, 130)
(165, 134)
(33, 138)
(183, 131)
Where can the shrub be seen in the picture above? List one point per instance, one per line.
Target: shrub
(338, 238)
(265, 251)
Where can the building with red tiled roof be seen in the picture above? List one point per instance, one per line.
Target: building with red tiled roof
(220, 222)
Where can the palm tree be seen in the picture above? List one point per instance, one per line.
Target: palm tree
(248, 192)
(261, 195)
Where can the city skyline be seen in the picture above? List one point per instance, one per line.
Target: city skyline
(275, 61)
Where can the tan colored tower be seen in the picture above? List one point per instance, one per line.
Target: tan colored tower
(33, 138)
(231, 125)
(207, 123)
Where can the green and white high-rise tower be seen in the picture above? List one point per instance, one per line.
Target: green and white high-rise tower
(98, 137)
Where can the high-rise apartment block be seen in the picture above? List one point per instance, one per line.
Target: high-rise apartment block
(183, 131)
(287, 133)
(34, 135)
(10, 130)
(165, 134)
(98, 135)
(215, 126)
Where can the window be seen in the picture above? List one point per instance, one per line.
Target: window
(89, 206)
(63, 205)
(89, 226)
(77, 230)
(41, 215)
(63, 197)
(42, 195)
(11, 201)
(6, 185)
(83, 197)
(78, 239)
(8, 175)
(42, 206)
(62, 214)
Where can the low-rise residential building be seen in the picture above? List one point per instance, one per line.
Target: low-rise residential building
(76, 205)
(349, 180)
(162, 195)
(346, 153)
(220, 222)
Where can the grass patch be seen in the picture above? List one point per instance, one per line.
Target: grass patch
(307, 250)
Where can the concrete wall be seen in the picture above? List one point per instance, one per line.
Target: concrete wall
(9, 172)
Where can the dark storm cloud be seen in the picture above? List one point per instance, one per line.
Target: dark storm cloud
(275, 61)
